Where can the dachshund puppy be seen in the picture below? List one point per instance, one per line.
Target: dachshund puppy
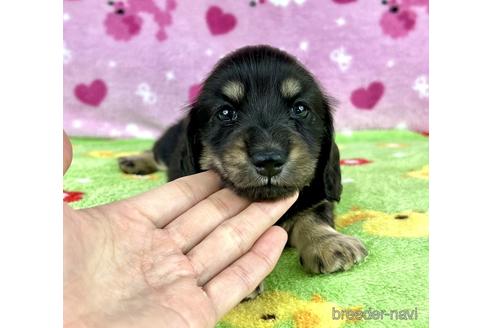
(264, 125)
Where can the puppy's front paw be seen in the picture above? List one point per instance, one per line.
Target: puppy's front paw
(332, 253)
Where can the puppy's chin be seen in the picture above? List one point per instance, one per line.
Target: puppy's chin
(253, 192)
(260, 193)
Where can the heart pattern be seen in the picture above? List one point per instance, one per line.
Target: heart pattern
(367, 98)
(92, 94)
(219, 22)
(127, 43)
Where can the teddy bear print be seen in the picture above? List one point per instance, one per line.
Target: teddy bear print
(253, 3)
(124, 21)
(399, 18)
(404, 224)
(278, 308)
(422, 173)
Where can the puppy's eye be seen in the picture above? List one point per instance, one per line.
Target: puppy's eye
(227, 114)
(299, 110)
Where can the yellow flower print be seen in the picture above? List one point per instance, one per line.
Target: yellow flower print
(274, 307)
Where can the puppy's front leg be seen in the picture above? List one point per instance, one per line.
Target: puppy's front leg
(322, 249)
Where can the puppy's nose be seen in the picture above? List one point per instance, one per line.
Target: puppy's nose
(269, 163)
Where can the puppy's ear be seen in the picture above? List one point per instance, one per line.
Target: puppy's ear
(191, 149)
(332, 176)
(328, 175)
(179, 149)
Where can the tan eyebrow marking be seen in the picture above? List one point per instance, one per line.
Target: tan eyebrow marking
(290, 87)
(234, 90)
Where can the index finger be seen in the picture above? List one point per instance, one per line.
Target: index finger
(163, 204)
(244, 275)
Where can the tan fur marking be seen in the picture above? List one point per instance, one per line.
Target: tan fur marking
(234, 165)
(236, 161)
(301, 163)
(209, 161)
(234, 90)
(290, 87)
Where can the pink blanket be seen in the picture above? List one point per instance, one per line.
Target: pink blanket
(131, 67)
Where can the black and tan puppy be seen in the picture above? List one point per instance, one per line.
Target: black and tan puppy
(264, 125)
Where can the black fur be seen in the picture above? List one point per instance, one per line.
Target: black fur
(264, 118)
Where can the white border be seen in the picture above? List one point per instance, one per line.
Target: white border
(30, 167)
(460, 163)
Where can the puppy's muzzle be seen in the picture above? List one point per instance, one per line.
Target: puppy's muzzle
(269, 163)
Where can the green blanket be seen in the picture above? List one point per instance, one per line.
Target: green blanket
(384, 202)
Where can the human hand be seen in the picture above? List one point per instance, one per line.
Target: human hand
(181, 255)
